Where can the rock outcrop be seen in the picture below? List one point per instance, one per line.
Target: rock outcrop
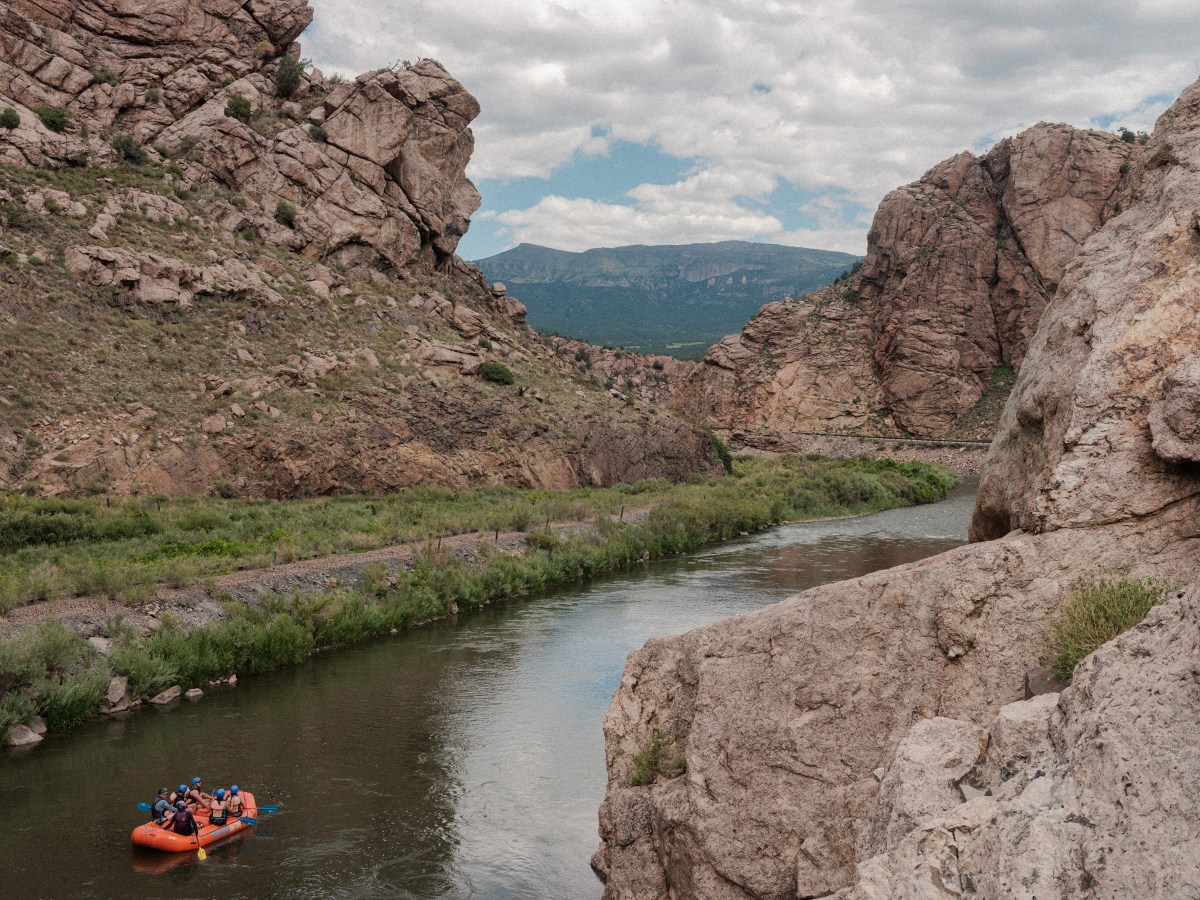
(959, 267)
(1089, 794)
(248, 271)
(787, 718)
(373, 169)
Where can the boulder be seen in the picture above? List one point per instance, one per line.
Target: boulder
(170, 695)
(23, 736)
(1088, 813)
(117, 697)
(1175, 416)
(193, 694)
(922, 780)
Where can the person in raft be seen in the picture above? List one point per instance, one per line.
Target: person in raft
(179, 795)
(162, 807)
(196, 795)
(234, 802)
(183, 822)
(219, 814)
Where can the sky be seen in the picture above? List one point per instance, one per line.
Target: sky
(613, 122)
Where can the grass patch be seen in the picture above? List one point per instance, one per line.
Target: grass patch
(1099, 610)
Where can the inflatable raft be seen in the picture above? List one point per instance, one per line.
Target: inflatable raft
(159, 838)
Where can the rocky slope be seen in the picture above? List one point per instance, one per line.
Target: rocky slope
(790, 720)
(265, 297)
(959, 267)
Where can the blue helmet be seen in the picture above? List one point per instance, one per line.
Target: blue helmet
(195, 781)
(220, 793)
(183, 789)
(234, 789)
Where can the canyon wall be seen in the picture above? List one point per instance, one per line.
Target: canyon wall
(823, 739)
(224, 271)
(960, 265)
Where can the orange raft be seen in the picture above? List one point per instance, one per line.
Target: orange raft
(159, 838)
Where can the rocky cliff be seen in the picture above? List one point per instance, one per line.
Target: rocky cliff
(959, 267)
(221, 267)
(825, 737)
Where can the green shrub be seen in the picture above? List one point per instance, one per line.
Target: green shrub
(288, 75)
(497, 372)
(317, 133)
(13, 213)
(653, 761)
(722, 451)
(106, 76)
(153, 95)
(9, 118)
(56, 118)
(239, 108)
(542, 540)
(15, 709)
(69, 702)
(1099, 610)
(285, 213)
(223, 486)
(130, 150)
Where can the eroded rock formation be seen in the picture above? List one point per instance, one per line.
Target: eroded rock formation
(376, 164)
(959, 267)
(279, 250)
(789, 718)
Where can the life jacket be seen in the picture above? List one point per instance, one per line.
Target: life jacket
(184, 823)
(176, 797)
(235, 803)
(219, 813)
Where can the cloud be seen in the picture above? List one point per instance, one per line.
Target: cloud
(844, 99)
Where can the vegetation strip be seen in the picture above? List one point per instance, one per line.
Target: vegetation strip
(54, 672)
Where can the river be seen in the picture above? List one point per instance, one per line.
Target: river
(460, 760)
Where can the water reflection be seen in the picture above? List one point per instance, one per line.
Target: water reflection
(464, 760)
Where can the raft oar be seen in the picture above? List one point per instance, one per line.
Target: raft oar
(248, 820)
(267, 808)
(145, 807)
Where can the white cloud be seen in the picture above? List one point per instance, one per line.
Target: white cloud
(863, 96)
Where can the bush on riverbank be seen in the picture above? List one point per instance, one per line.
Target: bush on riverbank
(53, 671)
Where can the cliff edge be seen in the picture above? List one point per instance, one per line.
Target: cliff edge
(959, 267)
(804, 729)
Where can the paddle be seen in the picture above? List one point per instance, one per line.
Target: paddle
(267, 808)
(248, 820)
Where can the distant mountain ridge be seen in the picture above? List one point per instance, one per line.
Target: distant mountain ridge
(676, 299)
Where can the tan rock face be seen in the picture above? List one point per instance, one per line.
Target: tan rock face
(959, 267)
(384, 180)
(1099, 795)
(784, 716)
(1076, 444)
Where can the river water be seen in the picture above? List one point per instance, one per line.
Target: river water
(460, 760)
